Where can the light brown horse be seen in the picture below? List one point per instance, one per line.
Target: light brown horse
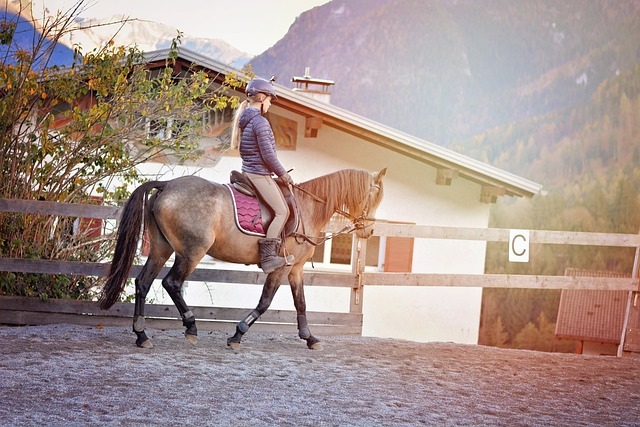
(191, 217)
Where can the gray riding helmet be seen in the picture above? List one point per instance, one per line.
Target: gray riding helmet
(259, 85)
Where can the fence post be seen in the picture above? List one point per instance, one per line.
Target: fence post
(627, 312)
(358, 258)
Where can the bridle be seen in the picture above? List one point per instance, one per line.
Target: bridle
(358, 222)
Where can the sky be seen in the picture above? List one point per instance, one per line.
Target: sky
(251, 26)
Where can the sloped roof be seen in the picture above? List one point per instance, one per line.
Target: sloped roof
(379, 134)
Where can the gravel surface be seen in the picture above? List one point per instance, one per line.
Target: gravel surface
(70, 375)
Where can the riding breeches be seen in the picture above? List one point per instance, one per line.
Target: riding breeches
(272, 196)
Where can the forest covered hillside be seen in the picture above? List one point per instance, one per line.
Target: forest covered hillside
(589, 159)
(447, 70)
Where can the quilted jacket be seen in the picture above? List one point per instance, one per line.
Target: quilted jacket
(258, 145)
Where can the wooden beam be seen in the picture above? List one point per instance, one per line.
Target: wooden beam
(502, 235)
(501, 281)
(35, 318)
(34, 311)
(65, 209)
(66, 306)
(489, 194)
(311, 127)
(444, 176)
(17, 265)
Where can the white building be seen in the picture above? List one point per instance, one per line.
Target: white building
(425, 184)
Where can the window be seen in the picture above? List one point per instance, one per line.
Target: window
(166, 129)
(157, 129)
(337, 251)
(215, 122)
(392, 254)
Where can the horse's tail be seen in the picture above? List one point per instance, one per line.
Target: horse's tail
(127, 243)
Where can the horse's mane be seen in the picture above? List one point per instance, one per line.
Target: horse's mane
(345, 189)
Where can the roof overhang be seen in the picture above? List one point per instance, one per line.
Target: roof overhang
(497, 181)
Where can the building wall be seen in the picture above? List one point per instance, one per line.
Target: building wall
(419, 314)
(593, 348)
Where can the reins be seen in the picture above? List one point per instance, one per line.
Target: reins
(310, 194)
(300, 237)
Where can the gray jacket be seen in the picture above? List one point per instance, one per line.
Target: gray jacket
(258, 145)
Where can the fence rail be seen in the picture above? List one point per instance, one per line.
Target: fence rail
(502, 235)
(63, 209)
(98, 269)
(34, 311)
(501, 281)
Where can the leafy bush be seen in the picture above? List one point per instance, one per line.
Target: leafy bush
(71, 133)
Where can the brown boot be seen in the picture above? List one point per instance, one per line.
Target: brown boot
(269, 258)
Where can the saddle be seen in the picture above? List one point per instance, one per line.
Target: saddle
(252, 214)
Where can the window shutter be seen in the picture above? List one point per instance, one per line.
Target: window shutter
(91, 227)
(398, 256)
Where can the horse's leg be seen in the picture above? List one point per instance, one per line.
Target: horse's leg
(269, 289)
(159, 253)
(143, 283)
(172, 283)
(297, 289)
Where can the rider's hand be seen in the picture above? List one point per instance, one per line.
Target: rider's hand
(286, 178)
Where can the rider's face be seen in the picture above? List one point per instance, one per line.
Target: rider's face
(266, 104)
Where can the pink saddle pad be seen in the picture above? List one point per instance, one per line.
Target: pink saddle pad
(246, 212)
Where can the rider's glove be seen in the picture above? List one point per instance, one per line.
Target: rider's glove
(286, 178)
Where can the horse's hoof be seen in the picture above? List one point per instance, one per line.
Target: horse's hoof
(235, 346)
(145, 344)
(314, 343)
(193, 339)
(316, 346)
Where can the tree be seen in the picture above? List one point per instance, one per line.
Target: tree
(497, 335)
(542, 337)
(67, 134)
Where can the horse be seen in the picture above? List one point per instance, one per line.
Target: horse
(193, 217)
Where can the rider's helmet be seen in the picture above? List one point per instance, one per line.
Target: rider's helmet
(259, 85)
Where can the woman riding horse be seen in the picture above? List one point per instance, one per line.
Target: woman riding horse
(259, 161)
(189, 217)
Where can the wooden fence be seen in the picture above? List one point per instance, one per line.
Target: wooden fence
(507, 280)
(631, 285)
(33, 311)
(329, 323)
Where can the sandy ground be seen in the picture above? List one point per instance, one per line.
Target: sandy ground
(72, 375)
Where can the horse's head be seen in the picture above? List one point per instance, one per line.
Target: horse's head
(365, 221)
(351, 193)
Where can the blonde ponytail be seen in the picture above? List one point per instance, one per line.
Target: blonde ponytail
(236, 134)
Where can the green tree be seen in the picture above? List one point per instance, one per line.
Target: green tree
(497, 335)
(67, 133)
(540, 336)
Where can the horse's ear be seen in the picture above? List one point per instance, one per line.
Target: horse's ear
(378, 176)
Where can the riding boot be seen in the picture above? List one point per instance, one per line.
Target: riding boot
(269, 258)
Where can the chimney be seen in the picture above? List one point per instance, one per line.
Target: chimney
(313, 88)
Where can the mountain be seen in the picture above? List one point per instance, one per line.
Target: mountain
(149, 36)
(22, 30)
(94, 33)
(447, 70)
